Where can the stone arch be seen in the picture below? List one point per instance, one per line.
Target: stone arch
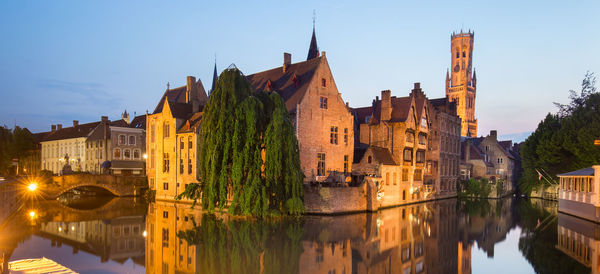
(102, 186)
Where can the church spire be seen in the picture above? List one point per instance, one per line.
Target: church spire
(474, 78)
(447, 79)
(313, 49)
(214, 83)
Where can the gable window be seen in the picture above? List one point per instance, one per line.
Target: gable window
(323, 104)
(117, 153)
(422, 139)
(410, 136)
(408, 155)
(122, 140)
(323, 82)
(320, 164)
(369, 159)
(132, 140)
(136, 154)
(333, 135)
(166, 128)
(127, 154)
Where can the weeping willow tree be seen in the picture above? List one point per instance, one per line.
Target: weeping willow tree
(249, 160)
(244, 246)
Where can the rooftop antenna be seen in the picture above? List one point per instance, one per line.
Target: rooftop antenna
(314, 17)
(167, 85)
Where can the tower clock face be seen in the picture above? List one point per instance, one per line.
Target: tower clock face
(456, 68)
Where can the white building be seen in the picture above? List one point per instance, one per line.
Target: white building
(64, 146)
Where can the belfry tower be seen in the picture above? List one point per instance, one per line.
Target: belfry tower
(461, 83)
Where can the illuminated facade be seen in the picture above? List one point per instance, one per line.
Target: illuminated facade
(461, 82)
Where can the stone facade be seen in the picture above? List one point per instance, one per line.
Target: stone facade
(443, 157)
(461, 86)
(171, 141)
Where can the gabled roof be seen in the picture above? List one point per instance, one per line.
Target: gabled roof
(178, 95)
(506, 145)
(291, 85)
(400, 109)
(180, 110)
(581, 172)
(361, 114)
(382, 155)
(82, 130)
(139, 122)
(191, 124)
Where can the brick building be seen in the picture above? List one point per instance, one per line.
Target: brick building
(401, 126)
(443, 156)
(172, 137)
(461, 82)
(323, 122)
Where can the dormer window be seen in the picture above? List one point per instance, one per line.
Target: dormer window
(323, 82)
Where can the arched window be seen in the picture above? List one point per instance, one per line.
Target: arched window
(127, 154)
(122, 139)
(136, 153)
(132, 140)
(117, 153)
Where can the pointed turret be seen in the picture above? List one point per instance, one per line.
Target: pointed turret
(214, 83)
(474, 78)
(313, 50)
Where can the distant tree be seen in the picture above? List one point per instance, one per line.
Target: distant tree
(564, 141)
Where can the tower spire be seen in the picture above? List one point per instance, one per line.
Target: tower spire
(214, 83)
(313, 49)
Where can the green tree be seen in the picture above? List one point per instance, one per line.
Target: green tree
(249, 159)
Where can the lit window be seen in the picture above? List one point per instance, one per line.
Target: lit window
(122, 139)
(320, 164)
(117, 153)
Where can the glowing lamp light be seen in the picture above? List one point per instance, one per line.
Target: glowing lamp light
(32, 187)
(59, 229)
(145, 156)
(145, 234)
(32, 214)
(72, 228)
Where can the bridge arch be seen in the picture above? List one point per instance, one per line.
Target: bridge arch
(68, 188)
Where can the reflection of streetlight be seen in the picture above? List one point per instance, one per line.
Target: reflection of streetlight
(32, 186)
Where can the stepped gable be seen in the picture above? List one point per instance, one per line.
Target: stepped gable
(400, 109)
(290, 84)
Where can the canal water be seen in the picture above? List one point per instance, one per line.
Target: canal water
(128, 235)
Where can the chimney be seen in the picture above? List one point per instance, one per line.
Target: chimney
(53, 127)
(75, 123)
(417, 86)
(386, 105)
(287, 61)
(494, 134)
(190, 88)
(58, 126)
(104, 119)
(323, 53)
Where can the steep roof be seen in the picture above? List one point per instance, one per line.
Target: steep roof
(361, 114)
(291, 85)
(382, 155)
(400, 109)
(505, 145)
(581, 172)
(178, 95)
(180, 110)
(82, 130)
(313, 49)
(138, 122)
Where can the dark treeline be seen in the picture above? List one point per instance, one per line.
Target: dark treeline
(14, 143)
(564, 141)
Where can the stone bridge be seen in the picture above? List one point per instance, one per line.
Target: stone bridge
(120, 186)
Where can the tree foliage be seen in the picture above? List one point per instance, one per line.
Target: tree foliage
(15, 143)
(563, 141)
(249, 160)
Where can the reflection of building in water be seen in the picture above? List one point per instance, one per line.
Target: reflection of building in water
(410, 239)
(580, 240)
(486, 222)
(8, 201)
(464, 258)
(165, 252)
(117, 239)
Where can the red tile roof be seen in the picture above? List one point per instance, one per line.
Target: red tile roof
(291, 85)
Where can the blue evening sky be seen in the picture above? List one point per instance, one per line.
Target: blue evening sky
(78, 60)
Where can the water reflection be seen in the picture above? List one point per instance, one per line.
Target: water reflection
(128, 235)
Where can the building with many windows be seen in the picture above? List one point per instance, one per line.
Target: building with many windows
(323, 121)
(65, 147)
(578, 193)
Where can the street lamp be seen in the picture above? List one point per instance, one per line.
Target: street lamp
(32, 186)
(145, 156)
